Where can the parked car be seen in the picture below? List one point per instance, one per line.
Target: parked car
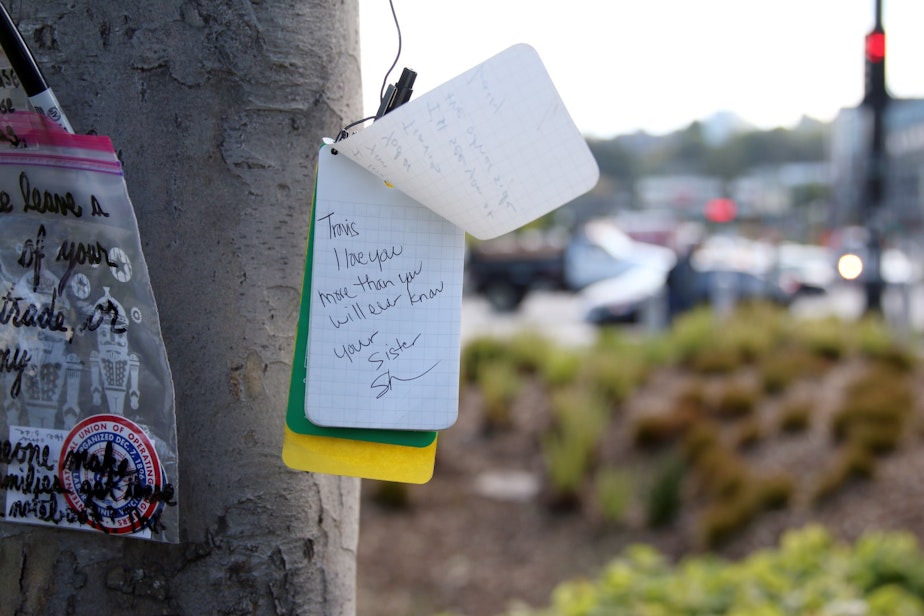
(721, 271)
(505, 270)
(622, 298)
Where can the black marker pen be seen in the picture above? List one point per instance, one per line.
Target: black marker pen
(41, 97)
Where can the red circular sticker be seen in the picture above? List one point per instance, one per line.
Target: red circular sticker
(112, 475)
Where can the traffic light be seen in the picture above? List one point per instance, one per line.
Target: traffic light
(720, 210)
(876, 94)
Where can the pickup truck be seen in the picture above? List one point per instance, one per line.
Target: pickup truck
(506, 269)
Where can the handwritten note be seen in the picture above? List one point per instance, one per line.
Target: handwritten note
(386, 292)
(489, 150)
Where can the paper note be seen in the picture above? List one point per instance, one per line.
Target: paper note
(489, 150)
(385, 306)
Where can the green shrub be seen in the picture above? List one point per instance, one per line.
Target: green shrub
(888, 560)
(657, 350)
(579, 413)
(665, 497)
(478, 351)
(875, 410)
(721, 474)
(748, 433)
(807, 573)
(570, 445)
(795, 417)
(651, 431)
(560, 367)
(567, 461)
(716, 359)
(780, 369)
(391, 494)
(876, 341)
(499, 383)
(736, 401)
(722, 519)
(754, 331)
(691, 400)
(691, 333)
(529, 351)
(701, 438)
(826, 338)
(774, 492)
(612, 375)
(852, 463)
(613, 491)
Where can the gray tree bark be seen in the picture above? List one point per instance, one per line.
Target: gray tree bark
(217, 108)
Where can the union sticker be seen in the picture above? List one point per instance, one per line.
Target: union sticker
(112, 477)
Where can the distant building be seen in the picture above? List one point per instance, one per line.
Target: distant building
(771, 191)
(684, 195)
(902, 209)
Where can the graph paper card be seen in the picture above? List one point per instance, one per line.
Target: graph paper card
(489, 150)
(385, 306)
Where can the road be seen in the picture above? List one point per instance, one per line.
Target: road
(557, 315)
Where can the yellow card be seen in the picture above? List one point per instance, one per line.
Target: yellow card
(365, 459)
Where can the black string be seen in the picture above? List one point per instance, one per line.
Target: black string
(395, 63)
(343, 134)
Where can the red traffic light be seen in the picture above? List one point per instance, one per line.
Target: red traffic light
(875, 47)
(720, 210)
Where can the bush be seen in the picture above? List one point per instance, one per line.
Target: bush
(721, 474)
(826, 338)
(391, 494)
(529, 350)
(780, 369)
(875, 411)
(748, 434)
(876, 341)
(614, 376)
(736, 401)
(692, 333)
(774, 492)
(795, 417)
(613, 491)
(570, 445)
(853, 463)
(724, 518)
(560, 367)
(651, 431)
(665, 498)
(700, 439)
(499, 383)
(479, 351)
(807, 573)
(567, 462)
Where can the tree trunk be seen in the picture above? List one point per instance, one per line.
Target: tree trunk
(217, 109)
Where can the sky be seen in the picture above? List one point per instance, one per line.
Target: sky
(657, 65)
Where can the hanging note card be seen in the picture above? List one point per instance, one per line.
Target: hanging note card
(357, 458)
(385, 306)
(489, 150)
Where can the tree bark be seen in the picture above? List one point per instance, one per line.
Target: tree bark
(217, 109)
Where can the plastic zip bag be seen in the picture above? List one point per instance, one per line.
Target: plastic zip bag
(87, 412)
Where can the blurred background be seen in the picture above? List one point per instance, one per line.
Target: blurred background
(716, 346)
(765, 136)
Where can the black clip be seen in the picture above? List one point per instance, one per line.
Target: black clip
(397, 94)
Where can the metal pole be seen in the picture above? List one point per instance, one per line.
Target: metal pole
(876, 101)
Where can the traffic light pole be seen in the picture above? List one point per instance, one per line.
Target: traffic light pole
(875, 103)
